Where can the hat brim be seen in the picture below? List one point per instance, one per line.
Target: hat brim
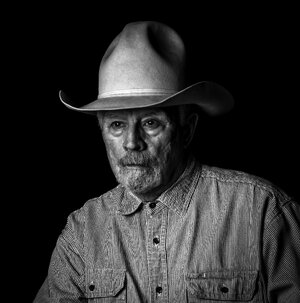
(212, 98)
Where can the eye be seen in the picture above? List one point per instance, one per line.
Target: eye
(151, 124)
(116, 125)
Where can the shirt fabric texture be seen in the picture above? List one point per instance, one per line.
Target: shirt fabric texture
(215, 235)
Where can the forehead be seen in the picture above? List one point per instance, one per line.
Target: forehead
(167, 113)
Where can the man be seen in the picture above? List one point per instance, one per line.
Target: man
(173, 230)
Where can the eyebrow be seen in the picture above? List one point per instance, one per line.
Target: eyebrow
(154, 112)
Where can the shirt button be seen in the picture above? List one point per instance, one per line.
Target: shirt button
(224, 289)
(91, 287)
(152, 205)
(159, 289)
(156, 240)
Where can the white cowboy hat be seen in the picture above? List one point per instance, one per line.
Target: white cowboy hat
(144, 66)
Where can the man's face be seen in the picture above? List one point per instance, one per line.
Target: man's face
(144, 147)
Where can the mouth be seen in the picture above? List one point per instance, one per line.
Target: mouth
(133, 165)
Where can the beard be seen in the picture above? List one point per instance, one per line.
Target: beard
(139, 180)
(139, 172)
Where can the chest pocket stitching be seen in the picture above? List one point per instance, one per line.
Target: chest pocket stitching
(106, 282)
(222, 285)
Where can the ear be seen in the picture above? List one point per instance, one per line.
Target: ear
(190, 127)
(100, 119)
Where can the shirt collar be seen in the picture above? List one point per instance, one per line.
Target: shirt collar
(129, 203)
(176, 197)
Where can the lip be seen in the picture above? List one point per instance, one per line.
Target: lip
(135, 166)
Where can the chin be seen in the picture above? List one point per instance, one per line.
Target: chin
(140, 181)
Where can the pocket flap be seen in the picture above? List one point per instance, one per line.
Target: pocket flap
(105, 283)
(222, 285)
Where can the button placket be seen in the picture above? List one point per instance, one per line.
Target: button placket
(151, 208)
(156, 229)
(163, 254)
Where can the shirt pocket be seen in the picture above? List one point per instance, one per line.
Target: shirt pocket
(236, 286)
(106, 285)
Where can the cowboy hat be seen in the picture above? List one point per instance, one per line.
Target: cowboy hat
(144, 66)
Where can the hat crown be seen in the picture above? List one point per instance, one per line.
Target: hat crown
(144, 66)
(146, 57)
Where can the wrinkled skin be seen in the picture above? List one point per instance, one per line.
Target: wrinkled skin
(146, 148)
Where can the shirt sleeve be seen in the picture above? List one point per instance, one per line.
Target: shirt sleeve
(65, 280)
(281, 255)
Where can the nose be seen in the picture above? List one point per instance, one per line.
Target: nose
(133, 139)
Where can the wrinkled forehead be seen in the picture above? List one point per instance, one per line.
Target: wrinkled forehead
(171, 113)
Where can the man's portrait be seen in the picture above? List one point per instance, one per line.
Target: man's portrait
(167, 177)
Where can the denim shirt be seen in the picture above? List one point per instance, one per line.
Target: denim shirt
(215, 235)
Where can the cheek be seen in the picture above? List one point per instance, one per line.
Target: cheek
(164, 147)
(113, 149)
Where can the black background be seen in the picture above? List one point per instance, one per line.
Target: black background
(58, 159)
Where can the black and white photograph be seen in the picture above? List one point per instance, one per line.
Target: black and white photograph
(155, 153)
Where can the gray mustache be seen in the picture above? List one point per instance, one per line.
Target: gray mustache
(140, 159)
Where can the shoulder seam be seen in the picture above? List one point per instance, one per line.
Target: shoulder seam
(271, 189)
(235, 180)
(277, 215)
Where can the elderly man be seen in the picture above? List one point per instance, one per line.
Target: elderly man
(173, 230)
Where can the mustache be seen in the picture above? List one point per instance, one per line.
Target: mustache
(138, 159)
